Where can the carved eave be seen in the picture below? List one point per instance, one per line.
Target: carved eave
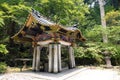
(64, 43)
(37, 26)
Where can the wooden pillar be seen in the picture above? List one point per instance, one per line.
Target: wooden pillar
(50, 59)
(34, 59)
(38, 58)
(54, 63)
(55, 59)
(59, 58)
(71, 58)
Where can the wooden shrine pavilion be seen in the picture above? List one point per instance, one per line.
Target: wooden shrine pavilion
(41, 32)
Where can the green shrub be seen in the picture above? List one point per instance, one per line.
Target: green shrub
(3, 67)
(96, 53)
(91, 51)
(116, 56)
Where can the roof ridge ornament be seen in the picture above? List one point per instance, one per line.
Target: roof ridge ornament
(36, 12)
(75, 25)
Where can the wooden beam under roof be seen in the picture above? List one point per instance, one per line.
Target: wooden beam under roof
(46, 27)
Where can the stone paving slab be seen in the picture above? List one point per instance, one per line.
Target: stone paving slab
(95, 75)
(72, 74)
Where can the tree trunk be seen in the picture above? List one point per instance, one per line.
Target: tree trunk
(103, 21)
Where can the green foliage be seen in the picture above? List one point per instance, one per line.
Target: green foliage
(3, 67)
(3, 49)
(96, 51)
(114, 34)
(110, 48)
(16, 13)
(116, 56)
(94, 34)
(64, 11)
(90, 51)
(118, 52)
(113, 18)
(13, 14)
(1, 19)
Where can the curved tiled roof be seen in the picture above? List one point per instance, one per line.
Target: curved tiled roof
(40, 18)
(36, 25)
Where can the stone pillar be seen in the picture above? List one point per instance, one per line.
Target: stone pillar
(71, 58)
(50, 59)
(59, 58)
(55, 59)
(38, 59)
(34, 59)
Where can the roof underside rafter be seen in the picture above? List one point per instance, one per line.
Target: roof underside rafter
(38, 29)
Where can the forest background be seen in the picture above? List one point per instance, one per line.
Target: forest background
(84, 13)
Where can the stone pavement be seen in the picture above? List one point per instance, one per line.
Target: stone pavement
(72, 74)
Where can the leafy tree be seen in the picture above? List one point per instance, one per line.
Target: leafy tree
(3, 49)
(113, 18)
(64, 11)
(14, 15)
(114, 35)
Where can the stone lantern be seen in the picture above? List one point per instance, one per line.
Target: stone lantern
(107, 58)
